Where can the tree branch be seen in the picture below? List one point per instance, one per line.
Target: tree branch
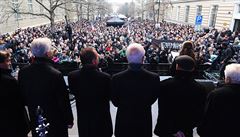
(34, 14)
(42, 5)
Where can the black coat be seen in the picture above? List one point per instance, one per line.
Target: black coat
(92, 92)
(44, 86)
(133, 92)
(13, 118)
(222, 115)
(181, 105)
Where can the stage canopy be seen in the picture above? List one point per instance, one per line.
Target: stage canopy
(115, 22)
(121, 16)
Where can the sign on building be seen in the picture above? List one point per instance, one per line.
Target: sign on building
(198, 23)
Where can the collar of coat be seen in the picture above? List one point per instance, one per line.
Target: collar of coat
(135, 67)
(38, 60)
(183, 74)
(89, 67)
(5, 71)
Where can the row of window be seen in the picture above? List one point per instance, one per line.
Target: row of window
(213, 14)
(16, 5)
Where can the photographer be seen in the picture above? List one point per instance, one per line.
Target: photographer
(226, 53)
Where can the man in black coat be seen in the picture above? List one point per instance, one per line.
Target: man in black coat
(13, 116)
(133, 93)
(226, 54)
(92, 92)
(44, 86)
(180, 102)
(222, 115)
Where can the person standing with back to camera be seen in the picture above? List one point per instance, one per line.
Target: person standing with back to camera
(42, 85)
(13, 116)
(133, 93)
(180, 102)
(222, 113)
(91, 89)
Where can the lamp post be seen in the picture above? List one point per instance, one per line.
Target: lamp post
(158, 11)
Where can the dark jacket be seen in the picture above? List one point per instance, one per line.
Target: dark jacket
(13, 117)
(44, 86)
(92, 92)
(226, 54)
(133, 92)
(222, 115)
(181, 105)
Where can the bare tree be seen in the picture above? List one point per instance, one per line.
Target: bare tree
(91, 8)
(156, 9)
(150, 7)
(103, 8)
(4, 15)
(141, 8)
(163, 6)
(124, 9)
(49, 8)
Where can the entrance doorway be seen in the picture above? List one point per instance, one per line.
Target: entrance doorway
(237, 25)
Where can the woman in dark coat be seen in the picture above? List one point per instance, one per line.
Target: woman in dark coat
(187, 49)
(13, 116)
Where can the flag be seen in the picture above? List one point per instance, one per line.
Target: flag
(129, 29)
(93, 28)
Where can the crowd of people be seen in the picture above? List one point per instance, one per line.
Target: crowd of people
(181, 99)
(183, 103)
(111, 42)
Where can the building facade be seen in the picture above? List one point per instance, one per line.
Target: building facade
(75, 10)
(235, 25)
(14, 21)
(215, 13)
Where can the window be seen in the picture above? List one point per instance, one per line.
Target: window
(199, 10)
(187, 13)
(178, 13)
(40, 6)
(16, 6)
(30, 7)
(238, 8)
(213, 16)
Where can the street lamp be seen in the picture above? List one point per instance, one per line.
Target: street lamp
(158, 11)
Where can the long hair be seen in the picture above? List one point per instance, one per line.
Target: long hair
(188, 49)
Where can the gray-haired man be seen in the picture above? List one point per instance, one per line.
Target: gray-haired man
(222, 115)
(133, 92)
(44, 86)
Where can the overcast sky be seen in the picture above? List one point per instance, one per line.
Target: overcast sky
(119, 1)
